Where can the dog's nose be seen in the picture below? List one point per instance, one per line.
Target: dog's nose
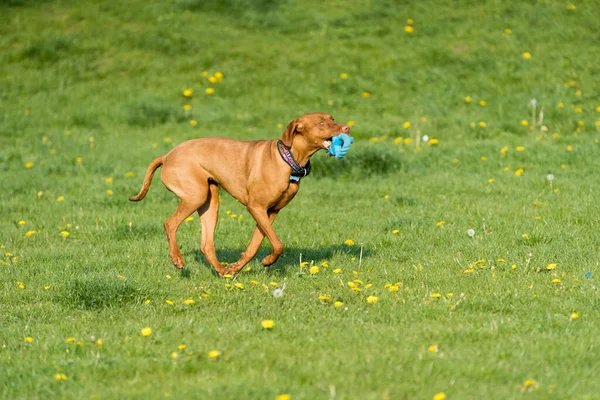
(345, 128)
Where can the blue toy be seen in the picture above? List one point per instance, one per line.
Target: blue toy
(340, 145)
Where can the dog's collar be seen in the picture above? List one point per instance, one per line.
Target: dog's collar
(298, 171)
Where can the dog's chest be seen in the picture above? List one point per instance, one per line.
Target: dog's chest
(287, 196)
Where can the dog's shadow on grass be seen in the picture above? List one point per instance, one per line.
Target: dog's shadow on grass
(289, 260)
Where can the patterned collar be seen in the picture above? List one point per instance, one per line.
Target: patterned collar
(298, 171)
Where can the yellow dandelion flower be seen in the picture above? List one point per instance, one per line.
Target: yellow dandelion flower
(409, 29)
(187, 107)
(146, 331)
(529, 383)
(268, 324)
(30, 233)
(189, 219)
(169, 302)
(65, 234)
(435, 295)
(188, 92)
(574, 316)
(109, 192)
(284, 396)
(571, 7)
(325, 297)
(60, 198)
(29, 165)
(344, 75)
(365, 94)
(550, 267)
(314, 270)
(174, 355)
(483, 158)
(212, 79)
(439, 396)
(238, 285)
(527, 55)
(482, 103)
(468, 99)
(120, 277)
(181, 347)
(193, 122)
(520, 148)
(209, 91)
(482, 124)
(29, 339)
(490, 180)
(394, 288)
(410, 21)
(556, 281)
(214, 354)
(21, 222)
(372, 299)
(396, 231)
(147, 301)
(440, 223)
(337, 271)
(569, 148)
(188, 302)
(507, 32)
(349, 242)
(338, 304)
(129, 174)
(406, 125)
(519, 172)
(274, 284)
(433, 142)
(70, 340)
(433, 348)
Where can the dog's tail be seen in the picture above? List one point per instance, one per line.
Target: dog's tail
(157, 162)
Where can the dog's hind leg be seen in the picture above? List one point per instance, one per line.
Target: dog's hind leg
(209, 215)
(185, 209)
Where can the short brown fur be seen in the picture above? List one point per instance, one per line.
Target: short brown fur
(253, 172)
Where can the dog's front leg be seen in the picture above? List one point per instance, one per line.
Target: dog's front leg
(263, 224)
(253, 246)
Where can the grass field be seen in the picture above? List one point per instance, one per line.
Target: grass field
(396, 300)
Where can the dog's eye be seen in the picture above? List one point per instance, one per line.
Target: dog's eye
(321, 123)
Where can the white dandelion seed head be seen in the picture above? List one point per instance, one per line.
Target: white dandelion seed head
(277, 293)
(471, 232)
(550, 177)
(425, 138)
(533, 102)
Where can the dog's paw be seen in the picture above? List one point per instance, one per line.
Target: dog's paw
(269, 260)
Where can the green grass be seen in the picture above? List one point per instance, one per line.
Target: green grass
(112, 75)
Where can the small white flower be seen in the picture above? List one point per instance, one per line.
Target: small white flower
(471, 232)
(425, 138)
(277, 293)
(533, 103)
(550, 177)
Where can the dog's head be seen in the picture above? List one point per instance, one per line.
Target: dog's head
(316, 129)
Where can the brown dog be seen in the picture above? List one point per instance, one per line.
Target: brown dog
(263, 175)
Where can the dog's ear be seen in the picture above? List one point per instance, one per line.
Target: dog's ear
(296, 126)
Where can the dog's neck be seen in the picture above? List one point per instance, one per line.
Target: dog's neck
(301, 150)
